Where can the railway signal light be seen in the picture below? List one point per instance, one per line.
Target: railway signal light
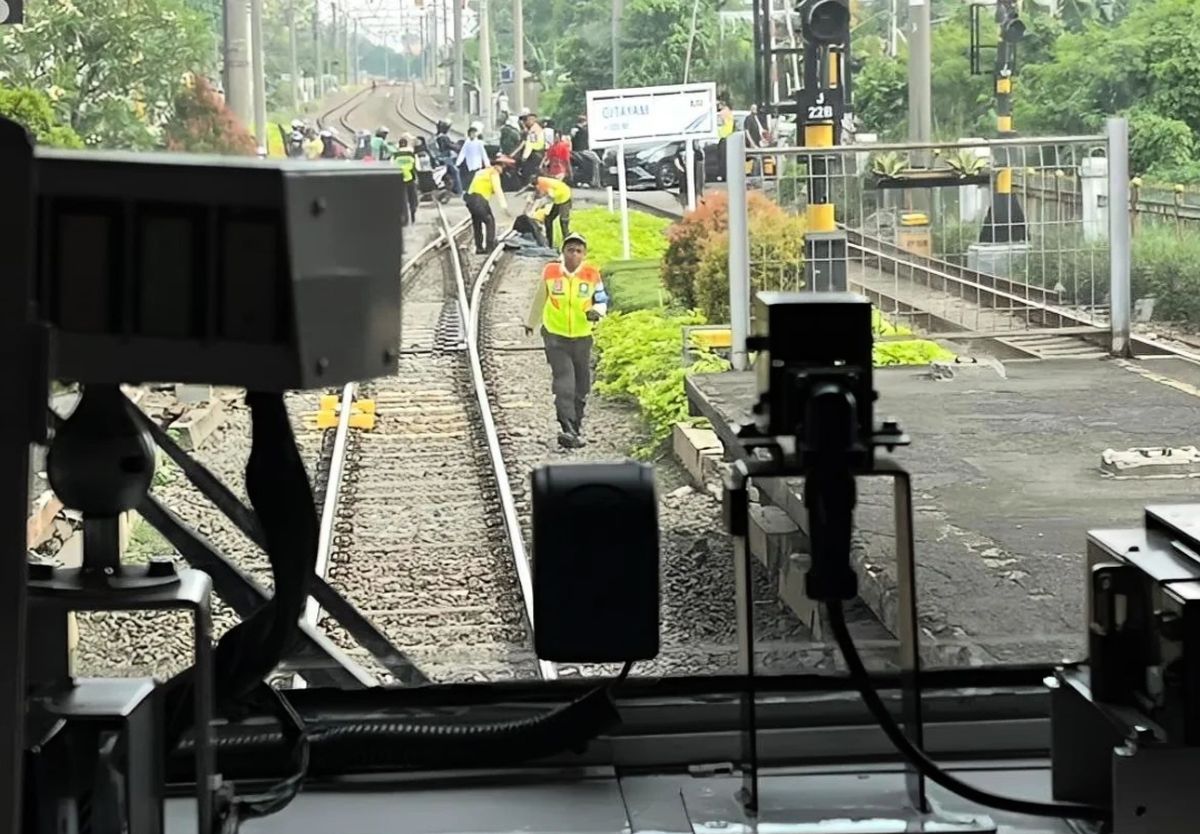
(825, 22)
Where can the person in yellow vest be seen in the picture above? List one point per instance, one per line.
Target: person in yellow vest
(725, 127)
(406, 160)
(484, 186)
(313, 144)
(560, 198)
(570, 299)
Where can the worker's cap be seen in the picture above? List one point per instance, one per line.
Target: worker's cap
(406, 136)
(326, 132)
(525, 111)
(575, 237)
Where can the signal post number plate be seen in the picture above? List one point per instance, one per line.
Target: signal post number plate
(819, 110)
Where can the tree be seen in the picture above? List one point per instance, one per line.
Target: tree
(111, 69)
(32, 110)
(201, 123)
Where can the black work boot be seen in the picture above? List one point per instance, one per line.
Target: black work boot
(577, 431)
(567, 437)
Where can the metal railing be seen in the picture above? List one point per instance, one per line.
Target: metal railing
(949, 237)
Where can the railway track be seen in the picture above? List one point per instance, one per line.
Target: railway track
(1012, 320)
(346, 107)
(418, 526)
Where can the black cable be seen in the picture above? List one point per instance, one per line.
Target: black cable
(929, 768)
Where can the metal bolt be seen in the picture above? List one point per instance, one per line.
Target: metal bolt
(389, 356)
(160, 566)
(109, 571)
(1134, 548)
(318, 206)
(322, 365)
(1142, 735)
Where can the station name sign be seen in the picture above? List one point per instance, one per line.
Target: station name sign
(652, 114)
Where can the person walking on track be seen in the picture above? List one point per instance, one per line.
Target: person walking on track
(406, 160)
(570, 298)
(484, 186)
(560, 195)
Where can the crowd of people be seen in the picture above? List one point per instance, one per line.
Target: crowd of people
(532, 157)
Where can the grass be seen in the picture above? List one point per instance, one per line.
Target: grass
(634, 285)
(602, 228)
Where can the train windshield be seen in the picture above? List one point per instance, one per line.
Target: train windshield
(569, 322)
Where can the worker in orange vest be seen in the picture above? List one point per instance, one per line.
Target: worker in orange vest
(570, 299)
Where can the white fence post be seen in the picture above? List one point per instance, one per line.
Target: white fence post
(739, 247)
(1119, 235)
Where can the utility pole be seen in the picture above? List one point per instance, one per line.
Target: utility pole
(460, 106)
(349, 73)
(616, 42)
(920, 112)
(433, 45)
(237, 61)
(260, 83)
(320, 88)
(519, 55)
(295, 67)
(333, 37)
(920, 93)
(354, 51)
(485, 68)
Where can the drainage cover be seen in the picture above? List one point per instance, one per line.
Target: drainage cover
(1151, 462)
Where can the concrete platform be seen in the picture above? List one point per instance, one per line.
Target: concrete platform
(1007, 479)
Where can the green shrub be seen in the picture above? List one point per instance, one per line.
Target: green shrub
(31, 109)
(688, 238)
(602, 228)
(633, 285)
(641, 361)
(776, 263)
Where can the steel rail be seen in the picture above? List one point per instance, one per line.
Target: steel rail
(469, 310)
(337, 462)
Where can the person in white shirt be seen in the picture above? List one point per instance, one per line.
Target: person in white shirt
(473, 155)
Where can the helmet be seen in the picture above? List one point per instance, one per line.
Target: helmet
(443, 126)
(383, 131)
(297, 124)
(326, 133)
(525, 111)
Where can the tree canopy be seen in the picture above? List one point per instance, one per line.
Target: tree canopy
(1097, 58)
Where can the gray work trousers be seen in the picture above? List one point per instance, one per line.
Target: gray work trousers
(571, 368)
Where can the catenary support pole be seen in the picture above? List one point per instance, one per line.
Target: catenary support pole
(616, 42)
(319, 89)
(238, 94)
(518, 98)
(486, 106)
(1119, 234)
(260, 83)
(294, 64)
(739, 247)
(460, 104)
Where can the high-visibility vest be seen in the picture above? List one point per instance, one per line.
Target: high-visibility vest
(406, 161)
(725, 129)
(558, 190)
(537, 140)
(568, 298)
(484, 183)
